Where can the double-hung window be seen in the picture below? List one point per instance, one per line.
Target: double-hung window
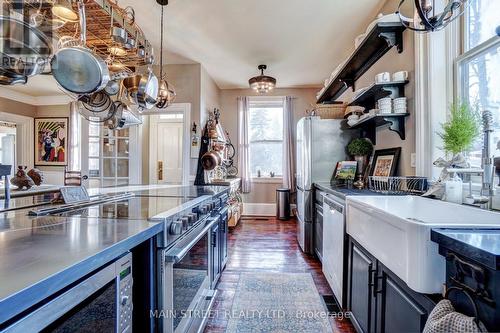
(478, 67)
(265, 127)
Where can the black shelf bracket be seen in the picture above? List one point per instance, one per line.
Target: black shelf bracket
(393, 39)
(397, 124)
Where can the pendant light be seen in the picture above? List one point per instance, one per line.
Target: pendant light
(63, 10)
(166, 92)
(433, 15)
(262, 83)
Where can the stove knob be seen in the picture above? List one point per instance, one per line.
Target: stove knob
(176, 227)
(204, 209)
(185, 222)
(192, 218)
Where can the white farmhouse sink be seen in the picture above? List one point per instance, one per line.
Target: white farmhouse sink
(396, 230)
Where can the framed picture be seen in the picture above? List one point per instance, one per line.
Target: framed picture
(385, 162)
(345, 170)
(51, 141)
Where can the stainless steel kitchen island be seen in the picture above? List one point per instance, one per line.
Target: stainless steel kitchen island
(84, 254)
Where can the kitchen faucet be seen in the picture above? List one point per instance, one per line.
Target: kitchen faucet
(485, 199)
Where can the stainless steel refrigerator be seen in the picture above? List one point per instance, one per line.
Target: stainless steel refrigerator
(321, 143)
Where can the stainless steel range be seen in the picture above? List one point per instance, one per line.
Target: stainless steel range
(192, 249)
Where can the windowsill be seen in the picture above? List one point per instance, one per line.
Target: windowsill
(267, 180)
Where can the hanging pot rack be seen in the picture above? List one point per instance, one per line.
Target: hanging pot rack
(98, 30)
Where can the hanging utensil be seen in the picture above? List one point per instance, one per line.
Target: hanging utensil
(131, 84)
(148, 91)
(112, 88)
(118, 34)
(24, 49)
(97, 107)
(78, 69)
(8, 78)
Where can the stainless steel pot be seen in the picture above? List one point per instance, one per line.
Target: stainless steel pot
(210, 160)
(77, 69)
(148, 91)
(24, 50)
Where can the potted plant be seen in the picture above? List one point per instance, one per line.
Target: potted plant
(361, 149)
(460, 131)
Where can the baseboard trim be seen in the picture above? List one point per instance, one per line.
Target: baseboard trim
(259, 209)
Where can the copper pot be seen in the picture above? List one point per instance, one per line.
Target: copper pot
(210, 160)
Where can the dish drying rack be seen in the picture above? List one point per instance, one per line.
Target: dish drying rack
(398, 185)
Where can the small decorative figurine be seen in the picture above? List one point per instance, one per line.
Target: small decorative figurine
(21, 179)
(37, 176)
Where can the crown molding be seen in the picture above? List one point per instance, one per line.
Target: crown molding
(34, 100)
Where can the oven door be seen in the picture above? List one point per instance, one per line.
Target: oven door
(100, 303)
(184, 280)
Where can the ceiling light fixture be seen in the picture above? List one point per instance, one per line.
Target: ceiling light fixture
(433, 15)
(63, 9)
(166, 91)
(262, 83)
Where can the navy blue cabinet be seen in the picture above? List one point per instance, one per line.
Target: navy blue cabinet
(378, 300)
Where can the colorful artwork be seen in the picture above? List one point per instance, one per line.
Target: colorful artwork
(51, 141)
(346, 170)
(383, 166)
(385, 162)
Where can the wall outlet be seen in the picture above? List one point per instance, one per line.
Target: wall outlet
(413, 160)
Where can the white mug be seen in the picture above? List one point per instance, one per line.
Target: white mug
(400, 76)
(383, 77)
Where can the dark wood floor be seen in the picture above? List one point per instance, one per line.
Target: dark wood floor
(265, 245)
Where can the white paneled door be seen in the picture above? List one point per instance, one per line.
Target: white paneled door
(169, 146)
(169, 152)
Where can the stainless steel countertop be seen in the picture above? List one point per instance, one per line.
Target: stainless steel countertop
(38, 261)
(39, 256)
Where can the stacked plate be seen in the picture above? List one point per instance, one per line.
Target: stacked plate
(385, 105)
(400, 105)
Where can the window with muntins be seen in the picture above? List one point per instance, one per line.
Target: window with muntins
(265, 127)
(479, 65)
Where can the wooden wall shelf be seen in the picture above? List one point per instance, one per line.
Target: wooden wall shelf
(368, 99)
(369, 125)
(378, 42)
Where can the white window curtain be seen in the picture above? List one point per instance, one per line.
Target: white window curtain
(244, 145)
(75, 138)
(288, 146)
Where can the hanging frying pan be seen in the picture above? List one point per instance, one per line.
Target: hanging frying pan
(77, 69)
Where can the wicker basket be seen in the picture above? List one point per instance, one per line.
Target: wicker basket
(330, 111)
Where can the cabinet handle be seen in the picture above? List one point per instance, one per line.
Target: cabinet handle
(374, 278)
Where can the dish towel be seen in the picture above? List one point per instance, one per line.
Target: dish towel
(444, 319)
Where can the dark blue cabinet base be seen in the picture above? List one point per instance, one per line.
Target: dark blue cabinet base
(378, 300)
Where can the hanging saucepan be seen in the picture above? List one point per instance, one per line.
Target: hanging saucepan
(117, 121)
(118, 34)
(8, 78)
(131, 84)
(78, 69)
(97, 107)
(148, 91)
(112, 88)
(24, 49)
(210, 160)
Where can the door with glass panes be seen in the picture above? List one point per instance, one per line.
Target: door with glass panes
(109, 160)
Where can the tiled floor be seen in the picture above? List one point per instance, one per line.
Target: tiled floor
(265, 245)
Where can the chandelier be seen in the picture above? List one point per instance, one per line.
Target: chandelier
(262, 83)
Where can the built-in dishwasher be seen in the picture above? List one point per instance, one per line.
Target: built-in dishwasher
(334, 245)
